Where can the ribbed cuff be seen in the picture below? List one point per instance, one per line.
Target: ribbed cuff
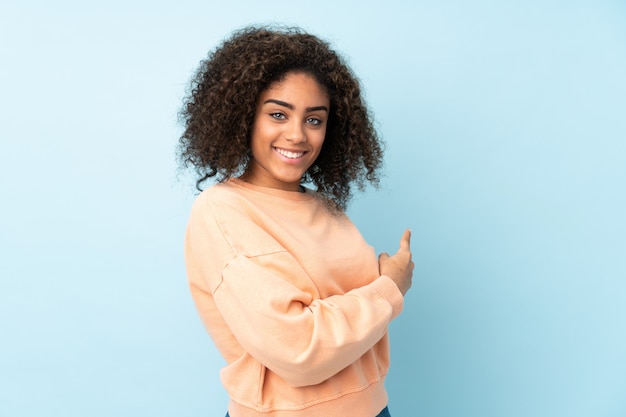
(390, 292)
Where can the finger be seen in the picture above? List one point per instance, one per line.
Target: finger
(383, 255)
(405, 241)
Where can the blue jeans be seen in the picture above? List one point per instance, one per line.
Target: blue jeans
(384, 413)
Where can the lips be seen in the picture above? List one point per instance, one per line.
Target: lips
(290, 154)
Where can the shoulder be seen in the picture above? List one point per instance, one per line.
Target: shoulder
(220, 204)
(221, 192)
(225, 213)
(222, 199)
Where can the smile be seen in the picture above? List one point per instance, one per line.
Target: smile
(289, 154)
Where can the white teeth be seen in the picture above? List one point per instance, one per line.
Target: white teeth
(289, 154)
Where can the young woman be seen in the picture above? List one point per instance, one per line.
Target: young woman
(293, 297)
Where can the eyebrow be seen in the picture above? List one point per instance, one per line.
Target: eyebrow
(291, 107)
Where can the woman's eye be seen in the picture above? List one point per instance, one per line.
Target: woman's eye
(313, 121)
(278, 116)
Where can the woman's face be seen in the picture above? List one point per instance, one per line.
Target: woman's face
(288, 132)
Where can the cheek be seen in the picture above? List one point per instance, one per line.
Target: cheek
(259, 134)
(318, 140)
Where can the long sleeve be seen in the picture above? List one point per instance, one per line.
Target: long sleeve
(303, 340)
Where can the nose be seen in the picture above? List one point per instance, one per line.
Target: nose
(295, 133)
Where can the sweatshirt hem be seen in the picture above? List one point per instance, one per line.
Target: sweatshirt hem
(361, 401)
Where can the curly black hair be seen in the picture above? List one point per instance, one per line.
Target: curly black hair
(219, 110)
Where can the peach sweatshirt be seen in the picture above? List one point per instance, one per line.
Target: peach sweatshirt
(292, 298)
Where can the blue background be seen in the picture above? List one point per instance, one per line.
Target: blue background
(505, 125)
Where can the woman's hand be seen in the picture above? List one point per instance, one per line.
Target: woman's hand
(399, 267)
